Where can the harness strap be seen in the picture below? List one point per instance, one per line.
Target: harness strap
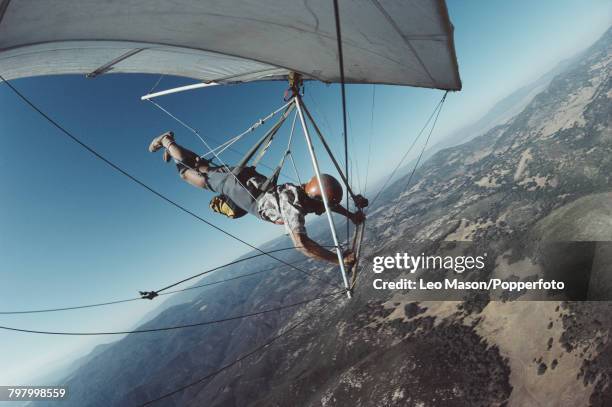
(273, 179)
(266, 139)
(271, 137)
(264, 150)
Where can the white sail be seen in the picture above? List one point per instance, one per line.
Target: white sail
(399, 42)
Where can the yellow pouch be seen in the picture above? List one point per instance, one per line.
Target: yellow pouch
(223, 205)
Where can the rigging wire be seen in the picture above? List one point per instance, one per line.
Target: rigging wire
(433, 126)
(175, 327)
(157, 83)
(318, 109)
(245, 356)
(210, 149)
(165, 293)
(289, 152)
(142, 184)
(253, 127)
(228, 144)
(328, 130)
(353, 163)
(219, 281)
(297, 174)
(229, 264)
(325, 122)
(40, 311)
(343, 91)
(401, 161)
(321, 114)
(365, 190)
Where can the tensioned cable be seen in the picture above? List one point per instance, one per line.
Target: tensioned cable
(241, 358)
(297, 174)
(277, 171)
(213, 151)
(295, 115)
(401, 161)
(343, 91)
(224, 146)
(157, 83)
(253, 127)
(354, 162)
(147, 187)
(338, 162)
(223, 281)
(416, 165)
(365, 190)
(171, 328)
(210, 149)
(230, 264)
(318, 109)
(290, 153)
(320, 113)
(324, 120)
(166, 293)
(40, 311)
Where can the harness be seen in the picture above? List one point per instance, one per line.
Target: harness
(243, 171)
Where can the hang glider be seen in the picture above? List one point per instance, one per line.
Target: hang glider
(395, 42)
(398, 42)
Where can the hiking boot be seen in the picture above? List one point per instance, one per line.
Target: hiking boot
(156, 144)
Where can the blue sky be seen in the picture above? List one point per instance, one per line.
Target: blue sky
(73, 231)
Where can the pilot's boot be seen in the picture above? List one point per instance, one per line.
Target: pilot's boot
(157, 144)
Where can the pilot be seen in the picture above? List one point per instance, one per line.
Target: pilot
(285, 204)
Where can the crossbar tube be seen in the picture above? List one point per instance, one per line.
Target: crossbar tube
(198, 85)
